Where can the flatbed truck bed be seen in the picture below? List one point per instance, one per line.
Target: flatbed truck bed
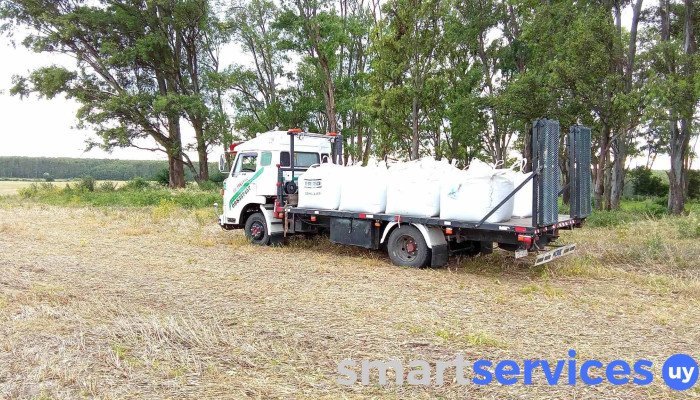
(439, 237)
(514, 224)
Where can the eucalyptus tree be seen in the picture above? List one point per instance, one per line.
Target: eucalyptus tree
(674, 89)
(258, 86)
(408, 54)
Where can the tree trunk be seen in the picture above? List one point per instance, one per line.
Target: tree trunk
(176, 166)
(619, 148)
(527, 155)
(202, 155)
(359, 138)
(564, 168)
(415, 142)
(368, 144)
(328, 93)
(680, 139)
(203, 164)
(677, 176)
(608, 184)
(600, 169)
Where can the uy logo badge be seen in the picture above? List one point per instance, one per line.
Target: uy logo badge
(680, 372)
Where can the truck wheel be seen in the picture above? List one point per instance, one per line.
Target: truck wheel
(256, 230)
(407, 247)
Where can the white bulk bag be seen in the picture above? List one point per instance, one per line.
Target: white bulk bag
(470, 195)
(413, 188)
(319, 187)
(522, 200)
(364, 189)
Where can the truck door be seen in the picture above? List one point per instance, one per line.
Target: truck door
(241, 183)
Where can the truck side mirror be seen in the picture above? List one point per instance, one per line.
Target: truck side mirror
(223, 167)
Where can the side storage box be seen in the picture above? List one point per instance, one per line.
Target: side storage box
(356, 232)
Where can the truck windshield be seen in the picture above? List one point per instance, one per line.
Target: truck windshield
(301, 159)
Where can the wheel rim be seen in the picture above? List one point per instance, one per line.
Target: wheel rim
(407, 248)
(257, 230)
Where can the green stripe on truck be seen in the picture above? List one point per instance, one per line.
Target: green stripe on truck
(245, 185)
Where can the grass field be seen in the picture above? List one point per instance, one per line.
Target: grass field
(158, 302)
(11, 187)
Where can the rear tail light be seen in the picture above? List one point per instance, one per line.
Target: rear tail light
(523, 238)
(448, 231)
(313, 218)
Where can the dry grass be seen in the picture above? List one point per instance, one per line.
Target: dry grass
(8, 188)
(161, 303)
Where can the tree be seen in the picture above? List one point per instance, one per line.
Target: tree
(258, 97)
(631, 104)
(131, 71)
(201, 35)
(315, 30)
(407, 57)
(673, 86)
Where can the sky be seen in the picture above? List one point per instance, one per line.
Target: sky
(46, 128)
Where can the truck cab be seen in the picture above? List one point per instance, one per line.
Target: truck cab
(251, 187)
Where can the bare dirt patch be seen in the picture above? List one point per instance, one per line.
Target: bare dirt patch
(139, 303)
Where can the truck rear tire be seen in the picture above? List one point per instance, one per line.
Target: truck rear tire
(407, 247)
(256, 230)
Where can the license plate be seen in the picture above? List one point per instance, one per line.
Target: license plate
(556, 253)
(520, 253)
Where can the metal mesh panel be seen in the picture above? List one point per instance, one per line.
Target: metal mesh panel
(580, 171)
(546, 158)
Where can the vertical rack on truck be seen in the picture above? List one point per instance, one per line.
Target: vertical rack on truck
(580, 171)
(289, 187)
(545, 162)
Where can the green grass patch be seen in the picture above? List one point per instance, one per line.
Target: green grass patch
(630, 211)
(480, 339)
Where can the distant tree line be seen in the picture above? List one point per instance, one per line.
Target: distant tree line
(72, 168)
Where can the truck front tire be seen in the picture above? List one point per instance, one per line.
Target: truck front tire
(407, 247)
(256, 230)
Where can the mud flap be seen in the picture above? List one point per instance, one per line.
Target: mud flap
(276, 239)
(439, 255)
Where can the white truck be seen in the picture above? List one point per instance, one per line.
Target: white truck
(260, 196)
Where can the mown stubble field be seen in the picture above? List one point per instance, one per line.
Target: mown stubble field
(161, 303)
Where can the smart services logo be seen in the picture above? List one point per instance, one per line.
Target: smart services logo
(679, 372)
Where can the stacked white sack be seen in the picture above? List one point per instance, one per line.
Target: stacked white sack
(319, 186)
(364, 189)
(413, 188)
(470, 195)
(522, 201)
